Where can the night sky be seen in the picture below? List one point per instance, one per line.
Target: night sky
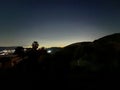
(57, 22)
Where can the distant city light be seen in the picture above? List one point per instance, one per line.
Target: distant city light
(6, 52)
(49, 51)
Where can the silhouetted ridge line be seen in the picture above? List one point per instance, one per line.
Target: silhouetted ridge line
(109, 38)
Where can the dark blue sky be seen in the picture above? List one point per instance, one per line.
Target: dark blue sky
(57, 22)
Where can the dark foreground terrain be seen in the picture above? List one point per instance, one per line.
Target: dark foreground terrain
(84, 65)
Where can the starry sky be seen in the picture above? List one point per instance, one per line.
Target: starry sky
(57, 22)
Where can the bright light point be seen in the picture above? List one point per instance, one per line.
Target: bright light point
(49, 51)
